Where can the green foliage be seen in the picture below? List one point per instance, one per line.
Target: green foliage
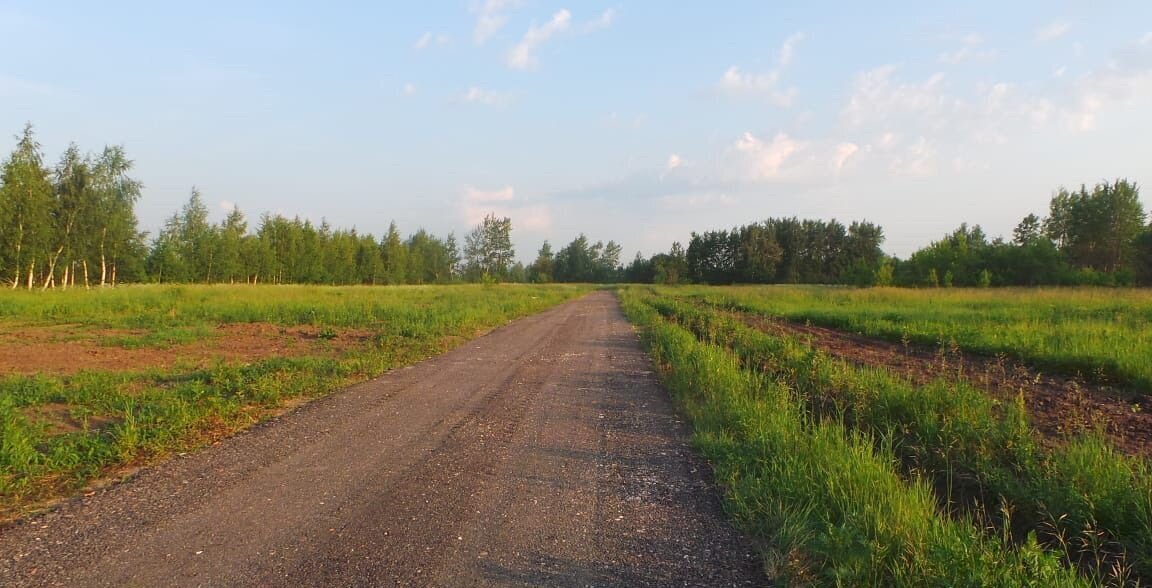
(985, 279)
(488, 249)
(582, 261)
(786, 250)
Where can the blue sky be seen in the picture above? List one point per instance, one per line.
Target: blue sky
(632, 121)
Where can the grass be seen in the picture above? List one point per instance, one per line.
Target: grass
(978, 453)
(829, 501)
(59, 433)
(1104, 335)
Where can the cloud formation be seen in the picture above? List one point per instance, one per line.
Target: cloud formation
(490, 18)
(477, 203)
(788, 48)
(1052, 31)
(521, 55)
(763, 160)
(735, 82)
(478, 95)
(430, 39)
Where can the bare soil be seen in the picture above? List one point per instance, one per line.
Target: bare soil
(1058, 406)
(545, 453)
(68, 349)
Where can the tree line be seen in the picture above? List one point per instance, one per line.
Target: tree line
(777, 250)
(1094, 236)
(1090, 237)
(74, 223)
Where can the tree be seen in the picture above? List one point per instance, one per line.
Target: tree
(230, 237)
(196, 239)
(540, 271)
(72, 204)
(394, 256)
(608, 262)
(488, 249)
(113, 231)
(671, 267)
(25, 209)
(1028, 230)
(1097, 229)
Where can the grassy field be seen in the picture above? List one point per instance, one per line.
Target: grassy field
(1102, 334)
(115, 378)
(851, 475)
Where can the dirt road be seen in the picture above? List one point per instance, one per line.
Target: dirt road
(543, 454)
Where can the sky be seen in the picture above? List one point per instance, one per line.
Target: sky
(633, 121)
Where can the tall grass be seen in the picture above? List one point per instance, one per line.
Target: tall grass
(57, 433)
(973, 448)
(1104, 335)
(827, 502)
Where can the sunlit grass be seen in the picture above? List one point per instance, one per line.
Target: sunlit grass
(828, 500)
(57, 433)
(1102, 334)
(979, 453)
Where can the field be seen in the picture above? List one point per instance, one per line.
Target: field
(93, 383)
(943, 437)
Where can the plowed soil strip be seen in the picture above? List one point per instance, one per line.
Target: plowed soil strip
(1058, 406)
(544, 453)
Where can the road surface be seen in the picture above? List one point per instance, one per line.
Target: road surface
(542, 454)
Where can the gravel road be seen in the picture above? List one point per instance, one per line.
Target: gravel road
(542, 454)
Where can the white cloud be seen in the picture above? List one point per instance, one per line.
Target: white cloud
(877, 98)
(429, 39)
(477, 203)
(478, 95)
(521, 56)
(601, 22)
(787, 49)
(227, 205)
(409, 89)
(475, 195)
(764, 85)
(674, 161)
(1125, 80)
(762, 160)
(843, 152)
(491, 18)
(737, 83)
(919, 159)
(1052, 31)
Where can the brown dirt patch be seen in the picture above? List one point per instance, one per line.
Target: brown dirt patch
(1058, 406)
(60, 419)
(67, 349)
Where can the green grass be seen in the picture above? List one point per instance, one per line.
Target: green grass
(1104, 335)
(58, 433)
(978, 453)
(829, 501)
